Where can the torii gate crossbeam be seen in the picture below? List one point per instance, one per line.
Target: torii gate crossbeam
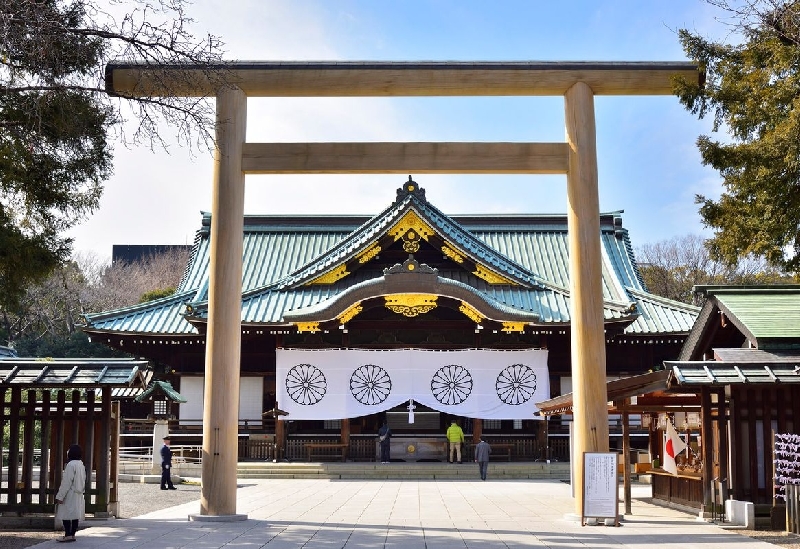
(232, 83)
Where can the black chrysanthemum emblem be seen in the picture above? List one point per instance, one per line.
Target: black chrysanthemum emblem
(370, 384)
(516, 384)
(451, 384)
(306, 384)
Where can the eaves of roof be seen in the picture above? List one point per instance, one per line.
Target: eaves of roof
(618, 389)
(658, 315)
(61, 372)
(161, 388)
(160, 316)
(542, 306)
(715, 373)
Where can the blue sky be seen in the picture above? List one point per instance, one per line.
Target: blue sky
(648, 163)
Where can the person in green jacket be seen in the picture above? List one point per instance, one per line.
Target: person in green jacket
(455, 436)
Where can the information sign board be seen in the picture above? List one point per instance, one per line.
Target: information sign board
(600, 486)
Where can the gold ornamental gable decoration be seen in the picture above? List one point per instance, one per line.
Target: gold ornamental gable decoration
(331, 276)
(471, 312)
(370, 253)
(352, 311)
(411, 305)
(448, 251)
(490, 276)
(411, 222)
(312, 327)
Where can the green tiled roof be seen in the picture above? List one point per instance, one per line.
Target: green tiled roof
(283, 253)
(766, 313)
(767, 316)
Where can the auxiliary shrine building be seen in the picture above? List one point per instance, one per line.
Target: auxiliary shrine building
(411, 316)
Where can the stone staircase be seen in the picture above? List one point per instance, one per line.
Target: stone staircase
(401, 471)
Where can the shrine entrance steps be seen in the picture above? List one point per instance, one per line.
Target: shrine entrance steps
(402, 470)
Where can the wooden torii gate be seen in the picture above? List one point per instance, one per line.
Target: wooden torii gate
(232, 83)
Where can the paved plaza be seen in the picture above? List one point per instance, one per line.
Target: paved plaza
(327, 514)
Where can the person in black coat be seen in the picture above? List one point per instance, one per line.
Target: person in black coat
(384, 436)
(166, 466)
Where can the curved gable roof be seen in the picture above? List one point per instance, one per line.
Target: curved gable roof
(411, 214)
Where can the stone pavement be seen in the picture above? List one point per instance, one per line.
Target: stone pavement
(323, 514)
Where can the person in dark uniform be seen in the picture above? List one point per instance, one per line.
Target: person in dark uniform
(166, 466)
(384, 436)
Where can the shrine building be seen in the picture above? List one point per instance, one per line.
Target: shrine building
(411, 316)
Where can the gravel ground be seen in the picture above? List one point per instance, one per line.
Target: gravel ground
(135, 500)
(140, 499)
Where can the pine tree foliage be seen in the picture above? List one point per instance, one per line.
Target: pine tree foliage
(57, 121)
(752, 91)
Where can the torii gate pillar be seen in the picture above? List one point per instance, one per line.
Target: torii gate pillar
(590, 413)
(224, 336)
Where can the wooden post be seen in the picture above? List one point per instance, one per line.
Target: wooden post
(626, 456)
(477, 430)
(345, 437)
(280, 438)
(706, 438)
(104, 454)
(586, 293)
(113, 502)
(223, 340)
(724, 445)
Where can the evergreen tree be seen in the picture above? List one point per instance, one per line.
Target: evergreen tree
(752, 90)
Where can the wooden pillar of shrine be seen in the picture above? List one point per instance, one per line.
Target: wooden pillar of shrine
(345, 434)
(223, 340)
(477, 430)
(590, 414)
(280, 438)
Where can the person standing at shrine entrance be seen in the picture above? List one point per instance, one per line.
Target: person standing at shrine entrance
(384, 438)
(166, 466)
(482, 451)
(455, 437)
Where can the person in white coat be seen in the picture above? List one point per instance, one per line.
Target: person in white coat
(71, 505)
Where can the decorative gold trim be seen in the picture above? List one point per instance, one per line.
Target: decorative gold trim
(312, 327)
(411, 305)
(411, 221)
(411, 246)
(369, 254)
(509, 327)
(331, 276)
(471, 312)
(352, 311)
(451, 253)
(490, 276)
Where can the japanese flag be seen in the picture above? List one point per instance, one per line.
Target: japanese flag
(673, 445)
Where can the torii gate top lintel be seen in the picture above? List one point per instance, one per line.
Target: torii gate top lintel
(398, 78)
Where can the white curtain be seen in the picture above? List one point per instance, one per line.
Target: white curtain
(476, 383)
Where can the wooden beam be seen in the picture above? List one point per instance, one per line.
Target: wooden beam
(404, 158)
(394, 78)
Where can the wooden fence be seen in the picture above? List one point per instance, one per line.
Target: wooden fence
(40, 431)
